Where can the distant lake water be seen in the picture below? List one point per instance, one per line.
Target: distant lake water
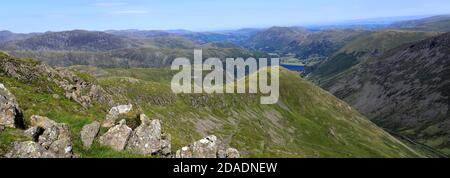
(293, 67)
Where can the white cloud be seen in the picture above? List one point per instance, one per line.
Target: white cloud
(131, 12)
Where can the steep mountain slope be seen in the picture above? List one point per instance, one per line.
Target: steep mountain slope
(303, 43)
(71, 40)
(370, 45)
(307, 122)
(323, 43)
(436, 23)
(405, 90)
(276, 39)
(126, 49)
(129, 57)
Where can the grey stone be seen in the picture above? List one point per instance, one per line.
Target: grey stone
(29, 149)
(166, 144)
(55, 138)
(221, 154)
(185, 152)
(10, 113)
(88, 133)
(146, 139)
(207, 148)
(114, 114)
(233, 153)
(117, 136)
(34, 132)
(40, 121)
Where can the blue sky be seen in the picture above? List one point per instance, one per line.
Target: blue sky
(199, 15)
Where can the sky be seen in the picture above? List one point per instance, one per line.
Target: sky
(199, 15)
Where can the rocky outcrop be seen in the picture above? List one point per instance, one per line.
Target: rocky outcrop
(82, 92)
(406, 90)
(206, 148)
(166, 144)
(10, 113)
(88, 133)
(114, 114)
(29, 149)
(148, 139)
(52, 140)
(232, 153)
(117, 137)
(34, 132)
(75, 88)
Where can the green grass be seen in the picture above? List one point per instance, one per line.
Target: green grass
(307, 122)
(8, 136)
(35, 101)
(299, 127)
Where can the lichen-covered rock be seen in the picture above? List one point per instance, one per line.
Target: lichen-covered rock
(221, 153)
(166, 144)
(34, 132)
(114, 114)
(51, 136)
(117, 136)
(185, 152)
(83, 92)
(29, 149)
(206, 148)
(10, 113)
(40, 121)
(232, 153)
(148, 139)
(57, 140)
(88, 133)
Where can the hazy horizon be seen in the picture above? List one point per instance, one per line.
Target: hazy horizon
(201, 15)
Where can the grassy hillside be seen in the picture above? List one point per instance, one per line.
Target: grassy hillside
(439, 23)
(404, 90)
(128, 57)
(307, 122)
(371, 45)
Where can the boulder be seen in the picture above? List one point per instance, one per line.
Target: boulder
(166, 144)
(34, 132)
(88, 133)
(114, 114)
(147, 138)
(206, 148)
(57, 140)
(232, 153)
(10, 113)
(185, 152)
(117, 136)
(221, 154)
(51, 136)
(40, 121)
(29, 149)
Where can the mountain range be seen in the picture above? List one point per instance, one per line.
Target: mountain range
(361, 85)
